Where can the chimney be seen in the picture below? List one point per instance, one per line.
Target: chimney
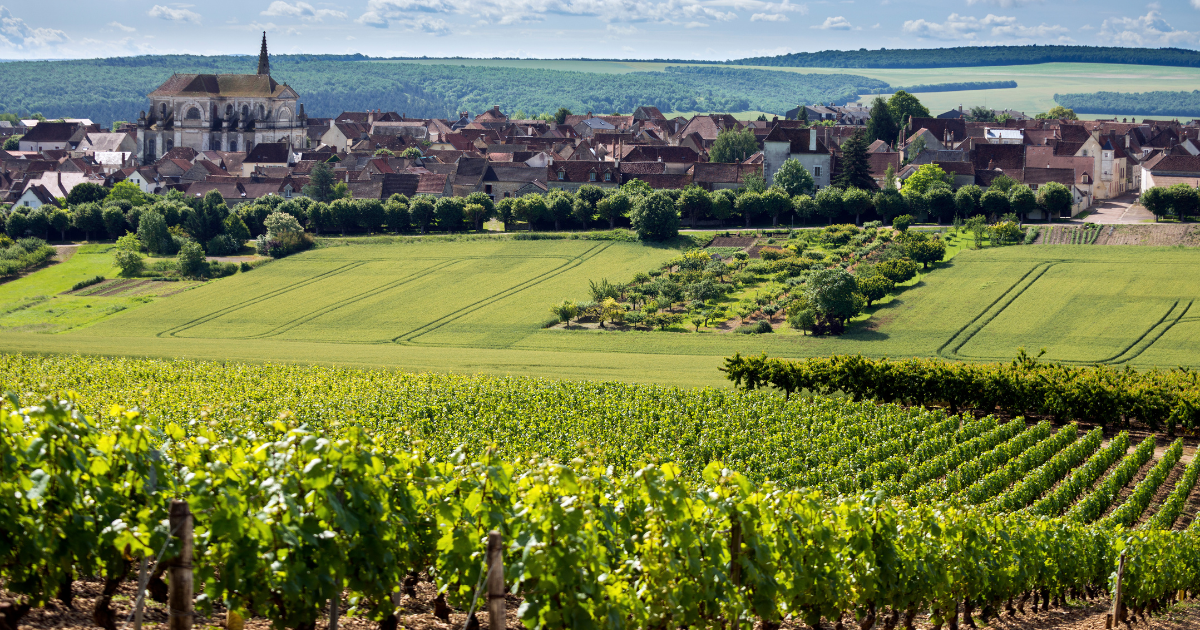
(496, 109)
(371, 117)
(812, 141)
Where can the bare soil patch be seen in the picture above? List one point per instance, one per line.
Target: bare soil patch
(733, 241)
(1162, 234)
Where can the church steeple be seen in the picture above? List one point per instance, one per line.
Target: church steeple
(264, 65)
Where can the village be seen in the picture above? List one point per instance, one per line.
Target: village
(248, 137)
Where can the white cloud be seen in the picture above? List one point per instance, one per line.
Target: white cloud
(118, 25)
(1196, 4)
(876, 25)
(622, 30)
(15, 34)
(174, 15)
(970, 28)
(381, 13)
(761, 6)
(1148, 30)
(302, 10)
(838, 23)
(768, 17)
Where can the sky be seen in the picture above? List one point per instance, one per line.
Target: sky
(634, 29)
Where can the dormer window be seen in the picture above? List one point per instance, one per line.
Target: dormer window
(591, 177)
(562, 175)
(608, 177)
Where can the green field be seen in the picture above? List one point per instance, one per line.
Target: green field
(478, 307)
(1036, 84)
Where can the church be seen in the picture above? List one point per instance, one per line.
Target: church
(221, 112)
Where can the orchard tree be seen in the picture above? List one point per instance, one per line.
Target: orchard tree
(344, 212)
(654, 217)
(1156, 200)
(532, 208)
(897, 269)
(926, 250)
(793, 178)
(874, 288)
(804, 207)
(994, 203)
(396, 213)
(613, 207)
(776, 203)
(421, 211)
(966, 200)
(832, 296)
(694, 203)
(890, 204)
(450, 213)
(749, 204)
(371, 215)
(590, 194)
(1055, 199)
(829, 202)
(940, 203)
(1022, 201)
(925, 177)
(856, 201)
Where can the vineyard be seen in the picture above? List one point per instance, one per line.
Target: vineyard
(620, 506)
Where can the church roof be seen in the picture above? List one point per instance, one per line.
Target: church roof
(228, 85)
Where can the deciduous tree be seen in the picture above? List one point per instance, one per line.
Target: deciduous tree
(733, 146)
(793, 178)
(882, 125)
(654, 217)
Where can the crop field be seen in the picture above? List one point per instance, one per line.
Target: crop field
(478, 307)
(1036, 84)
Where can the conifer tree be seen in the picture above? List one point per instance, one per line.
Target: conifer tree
(855, 164)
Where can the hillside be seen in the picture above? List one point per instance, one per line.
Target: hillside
(107, 90)
(967, 56)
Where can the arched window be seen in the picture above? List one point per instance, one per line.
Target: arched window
(261, 113)
(193, 113)
(245, 111)
(229, 111)
(284, 114)
(162, 108)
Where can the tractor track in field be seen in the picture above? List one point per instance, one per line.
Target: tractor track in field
(173, 332)
(950, 348)
(409, 338)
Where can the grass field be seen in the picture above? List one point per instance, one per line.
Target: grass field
(479, 307)
(1036, 84)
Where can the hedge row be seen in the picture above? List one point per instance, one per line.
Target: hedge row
(1100, 394)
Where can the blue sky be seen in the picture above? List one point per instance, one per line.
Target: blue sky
(686, 29)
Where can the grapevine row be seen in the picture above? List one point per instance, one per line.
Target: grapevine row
(1094, 505)
(288, 519)
(1173, 506)
(952, 458)
(1127, 514)
(1035, 456)
(1033, 486)
(1083, 477)
(970, 472)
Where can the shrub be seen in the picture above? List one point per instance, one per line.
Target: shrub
(129, 262)
(221, 269)
(222, 245)
(757, 328)
(897, 270)
(902, 222)
(838, 234)
(254, 264)
(82, 284)
(284, 244)
(191, 259)
(773, 253)
(280, 223)
(872, 225)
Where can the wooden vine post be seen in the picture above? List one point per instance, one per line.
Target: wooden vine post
(497, 611)
(179, 600)
(1118, 609)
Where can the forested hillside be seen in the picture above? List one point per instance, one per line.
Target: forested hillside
(1133, 103)
(115, 89)
(965, 56)
(958, 87)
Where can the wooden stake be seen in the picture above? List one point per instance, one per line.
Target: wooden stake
(335, 606)
(735, 547)
(497, 611)
(1118, 610)
(179, 602)
(140, 602)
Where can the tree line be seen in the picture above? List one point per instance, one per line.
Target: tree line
(968, 56)
(1162, 103)
(959, 87)
(108, 90)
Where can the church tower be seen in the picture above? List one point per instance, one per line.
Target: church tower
(264, 65)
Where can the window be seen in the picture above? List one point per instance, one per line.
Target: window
(487, 188)
(591, 177)
(816, 171)
(562, 175)
(287, 192)
(233, 146)
(608, 177)
(193, 113)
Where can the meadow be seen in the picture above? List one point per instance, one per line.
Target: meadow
(479, 307)
(1036, 84)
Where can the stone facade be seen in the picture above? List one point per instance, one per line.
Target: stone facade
(221, 112)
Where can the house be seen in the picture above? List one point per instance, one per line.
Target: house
(1167, 170)
(799, 144)
(48, 136)
(717, 175)
(1004, 136)
(108, 142)
(35, 197)
(267, 154)
(571, 175)
(506, 180)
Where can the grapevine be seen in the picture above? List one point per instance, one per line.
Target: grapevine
(1093, 506)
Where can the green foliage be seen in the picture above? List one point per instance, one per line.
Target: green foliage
(125, 191)
(855, 164)
(981, 113)
(1022, 200)
(829, 202)
(966, 200)
(925, 251)
(968, 56)
(654, 217)
(1003, 183)
(733, 146)
(898, 270)
(875, 287)
(86, 192)
(320, 186)
(882, 126)
(902, 222)
(889, 204)
(1055, 199)
(191, 259)
(994, 202)
(450, 213)
(926, 177)
(831, 294)
(236, 228)
(12, 143)
(793, 178)
(960, 86)
(905, 105)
